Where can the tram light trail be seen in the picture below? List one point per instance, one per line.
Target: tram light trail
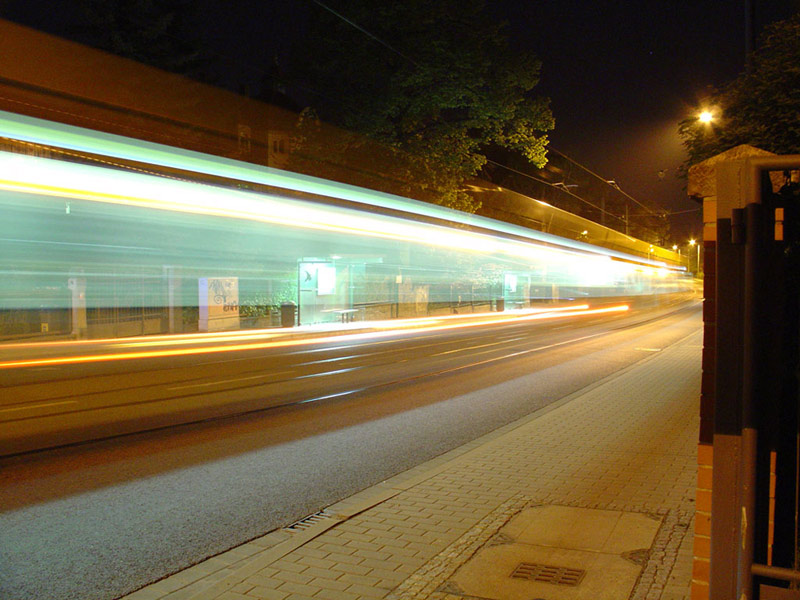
(209, 341)
(37, 131)
(108, 249)
(116, 250)
(228, 336)
(62, 180)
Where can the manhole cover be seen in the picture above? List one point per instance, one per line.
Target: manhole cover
(548, 574)
(558, 552)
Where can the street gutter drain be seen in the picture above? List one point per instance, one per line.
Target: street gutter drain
(548, 574)
(307, 522)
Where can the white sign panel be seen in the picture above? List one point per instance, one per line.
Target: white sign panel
(326, 280)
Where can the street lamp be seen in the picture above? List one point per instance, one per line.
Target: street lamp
(706, 116)
(693, 242)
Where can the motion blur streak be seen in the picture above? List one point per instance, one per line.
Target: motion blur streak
(63, 360)
(37, 131)
(33, 175)
(229, 336)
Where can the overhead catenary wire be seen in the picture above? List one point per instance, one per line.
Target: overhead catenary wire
(634, 200)
(552, 185)
(365, 32)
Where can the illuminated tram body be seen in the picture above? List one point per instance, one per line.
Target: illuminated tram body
(107, 247)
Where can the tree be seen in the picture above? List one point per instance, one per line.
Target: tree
(434, 82)
(760, 107)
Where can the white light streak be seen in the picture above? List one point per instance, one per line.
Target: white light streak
(39, 131)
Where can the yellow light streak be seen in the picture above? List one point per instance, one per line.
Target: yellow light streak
(171, 336)
(94, 358)
(222, 336)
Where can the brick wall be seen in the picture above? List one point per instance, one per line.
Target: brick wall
(705, 449)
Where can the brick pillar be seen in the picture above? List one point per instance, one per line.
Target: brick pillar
(702, 186)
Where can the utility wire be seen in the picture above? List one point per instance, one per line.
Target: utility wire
(681, 212)
(534, 178)
(647, 208)
(365, 32)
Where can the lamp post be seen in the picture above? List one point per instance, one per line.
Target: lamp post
(693, 242)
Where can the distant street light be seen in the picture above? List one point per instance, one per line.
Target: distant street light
(693, 242)
(706, 116)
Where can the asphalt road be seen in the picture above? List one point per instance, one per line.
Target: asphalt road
(98, 520)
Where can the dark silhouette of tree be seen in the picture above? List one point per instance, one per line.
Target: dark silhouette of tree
(434, 83)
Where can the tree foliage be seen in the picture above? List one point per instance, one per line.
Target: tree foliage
(761, 107)
(434, 82)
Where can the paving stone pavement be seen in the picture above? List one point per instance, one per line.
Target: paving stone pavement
(626, 443)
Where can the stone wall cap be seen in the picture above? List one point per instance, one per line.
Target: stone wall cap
(703, 176)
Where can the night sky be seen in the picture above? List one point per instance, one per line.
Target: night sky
(620, 75)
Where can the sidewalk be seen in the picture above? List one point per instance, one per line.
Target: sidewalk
(600, 484)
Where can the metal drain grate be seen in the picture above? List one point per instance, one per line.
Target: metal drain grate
(308, 521)
(548, 574)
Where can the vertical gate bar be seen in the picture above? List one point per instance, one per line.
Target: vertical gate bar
(725, 522)
(752, 384)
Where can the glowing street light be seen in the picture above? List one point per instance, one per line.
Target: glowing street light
(693, 242)
(706, 116)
